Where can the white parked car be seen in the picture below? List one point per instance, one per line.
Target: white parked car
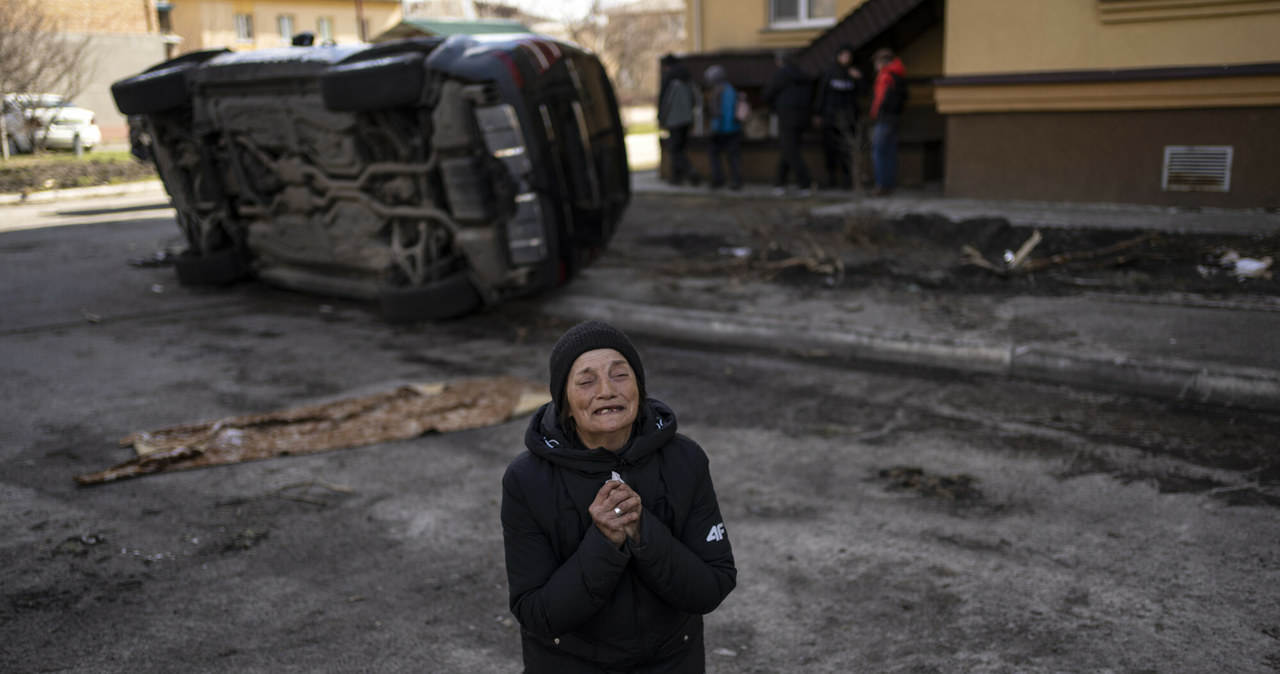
(34, 118)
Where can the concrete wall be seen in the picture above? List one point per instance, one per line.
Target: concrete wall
(1109, 156)
(113, 58)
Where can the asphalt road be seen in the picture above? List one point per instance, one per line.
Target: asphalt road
(884, 519)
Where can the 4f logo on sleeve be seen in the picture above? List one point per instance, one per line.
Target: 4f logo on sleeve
(717, 533)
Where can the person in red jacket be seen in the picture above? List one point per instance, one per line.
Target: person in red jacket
(889, 96)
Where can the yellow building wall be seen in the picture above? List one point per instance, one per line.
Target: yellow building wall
(923, 58)
(1006, 36)
(210, 24)
(381, 16)
(198, 23)
(744, 24)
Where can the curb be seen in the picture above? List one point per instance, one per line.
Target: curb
(48, 196)
(838, 205)
(1207, 384)
(1218, 385)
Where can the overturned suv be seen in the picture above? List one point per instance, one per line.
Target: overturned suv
(433, 175)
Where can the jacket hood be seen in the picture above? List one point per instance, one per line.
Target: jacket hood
(895, 67)
(654, 427)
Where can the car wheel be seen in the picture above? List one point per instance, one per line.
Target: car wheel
(390, 82)
(152, 92)
(164, 87)
(220, 267)
(448, 298)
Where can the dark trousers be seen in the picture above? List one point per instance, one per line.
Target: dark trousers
(884, 151)
(838, 131)
(789, 157)
(730, 145)
(681, 167)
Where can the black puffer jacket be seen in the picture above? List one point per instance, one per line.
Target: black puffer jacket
(790, 93)
(583, 604)
(837, 94)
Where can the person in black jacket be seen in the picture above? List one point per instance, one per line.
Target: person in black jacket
(790, 94)
(615, 547)
(837, 103)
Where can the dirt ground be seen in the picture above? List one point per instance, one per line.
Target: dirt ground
(883, 520)
(781, 241)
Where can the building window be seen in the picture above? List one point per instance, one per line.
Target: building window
(324, 29)
(244, 27)
(798, 13)
(284, 22)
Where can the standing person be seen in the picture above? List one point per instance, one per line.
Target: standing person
(677, 100)
(886, 111)
(615, 546)
(837, 103)
(790, 93)
(726, 128)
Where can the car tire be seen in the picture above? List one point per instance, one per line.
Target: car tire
(220, 267)
(391, 82)
(163, 87)
(449, 298)
(153, 92)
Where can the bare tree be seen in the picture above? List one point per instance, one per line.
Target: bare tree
(586, 30)
(629, 39)
(634, 42)
(37, 56)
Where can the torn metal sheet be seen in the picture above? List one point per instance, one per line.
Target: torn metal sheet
(405, 412)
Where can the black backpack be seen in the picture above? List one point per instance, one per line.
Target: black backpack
(895, 98)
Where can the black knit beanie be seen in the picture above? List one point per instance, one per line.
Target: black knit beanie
(582, 338)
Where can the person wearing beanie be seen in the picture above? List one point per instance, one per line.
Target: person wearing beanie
(615, 546)
(837, 107)
(726, 128)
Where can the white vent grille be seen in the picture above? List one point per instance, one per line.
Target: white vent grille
(1197, 168)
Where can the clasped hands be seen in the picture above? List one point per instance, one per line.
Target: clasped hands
(616, 512)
